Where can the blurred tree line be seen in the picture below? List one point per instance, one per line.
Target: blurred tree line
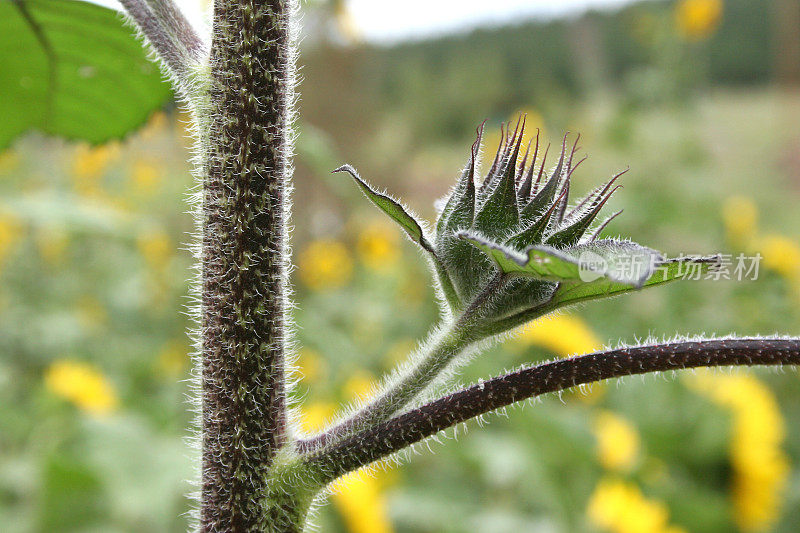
(547, 63)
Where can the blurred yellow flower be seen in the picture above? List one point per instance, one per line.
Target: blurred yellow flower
(533, 120)
(183, 124)
(412, 289)
(325, 264)
(10, 233)
(360, 386)
(564, 335)
(173, 358)
(620, 507)
(781, 254)
(146, 176)
(315, 415)
(377, 246)
(358, 495)
(399, 351)
(157, 124)
(52, 243)
(91, 313)
(81, 384)
(311, 365)
(697, 19)
(345, 23)
(360, 500)
(761, 467)
(617, 441)
(156, 248)
(9, 161)
(740, 216)
(89, 164)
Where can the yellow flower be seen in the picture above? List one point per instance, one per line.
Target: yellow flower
(81, 384)
(697, 19)
(347, 26)
(761, 468)
(325, 264)
(533, 120)
(358, 496)
(377, 246)
(173, 357)
(781, 254)
(145, 176)
(316, 415)
(156, 248)
(360, 386)
(91, 312)
(399, 351)
(155, 125)
(740, 216)
(360, 500)
(10, 233)
(617, 442)
(412, 289)
(9, 161)
(52, 243)
(311, 365)
(564, 335)
(88, 166)
(620, 507)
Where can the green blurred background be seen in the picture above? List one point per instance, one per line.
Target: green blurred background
(699, 97)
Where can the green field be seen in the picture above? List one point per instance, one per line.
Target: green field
(94, 374)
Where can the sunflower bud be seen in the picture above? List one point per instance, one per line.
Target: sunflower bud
(515, 245)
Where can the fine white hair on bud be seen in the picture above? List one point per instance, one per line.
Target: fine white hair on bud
(518, 225)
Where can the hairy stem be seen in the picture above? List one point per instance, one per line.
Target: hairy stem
(169, 33)
(433, 359)
(408, 428)
(245, 262)
(174, 20)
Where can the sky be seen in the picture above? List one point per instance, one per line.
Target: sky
(384, 21)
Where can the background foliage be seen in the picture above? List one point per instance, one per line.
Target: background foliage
(693, 96)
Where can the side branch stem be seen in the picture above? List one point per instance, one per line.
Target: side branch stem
(169, 33)
(413, 426)
(434, 359)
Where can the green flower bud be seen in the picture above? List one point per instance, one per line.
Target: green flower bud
(516, 247)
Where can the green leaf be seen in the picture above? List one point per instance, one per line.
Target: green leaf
(663, 272)
(391, 207)
(412, 227)
(594, 270)
(73, 69)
